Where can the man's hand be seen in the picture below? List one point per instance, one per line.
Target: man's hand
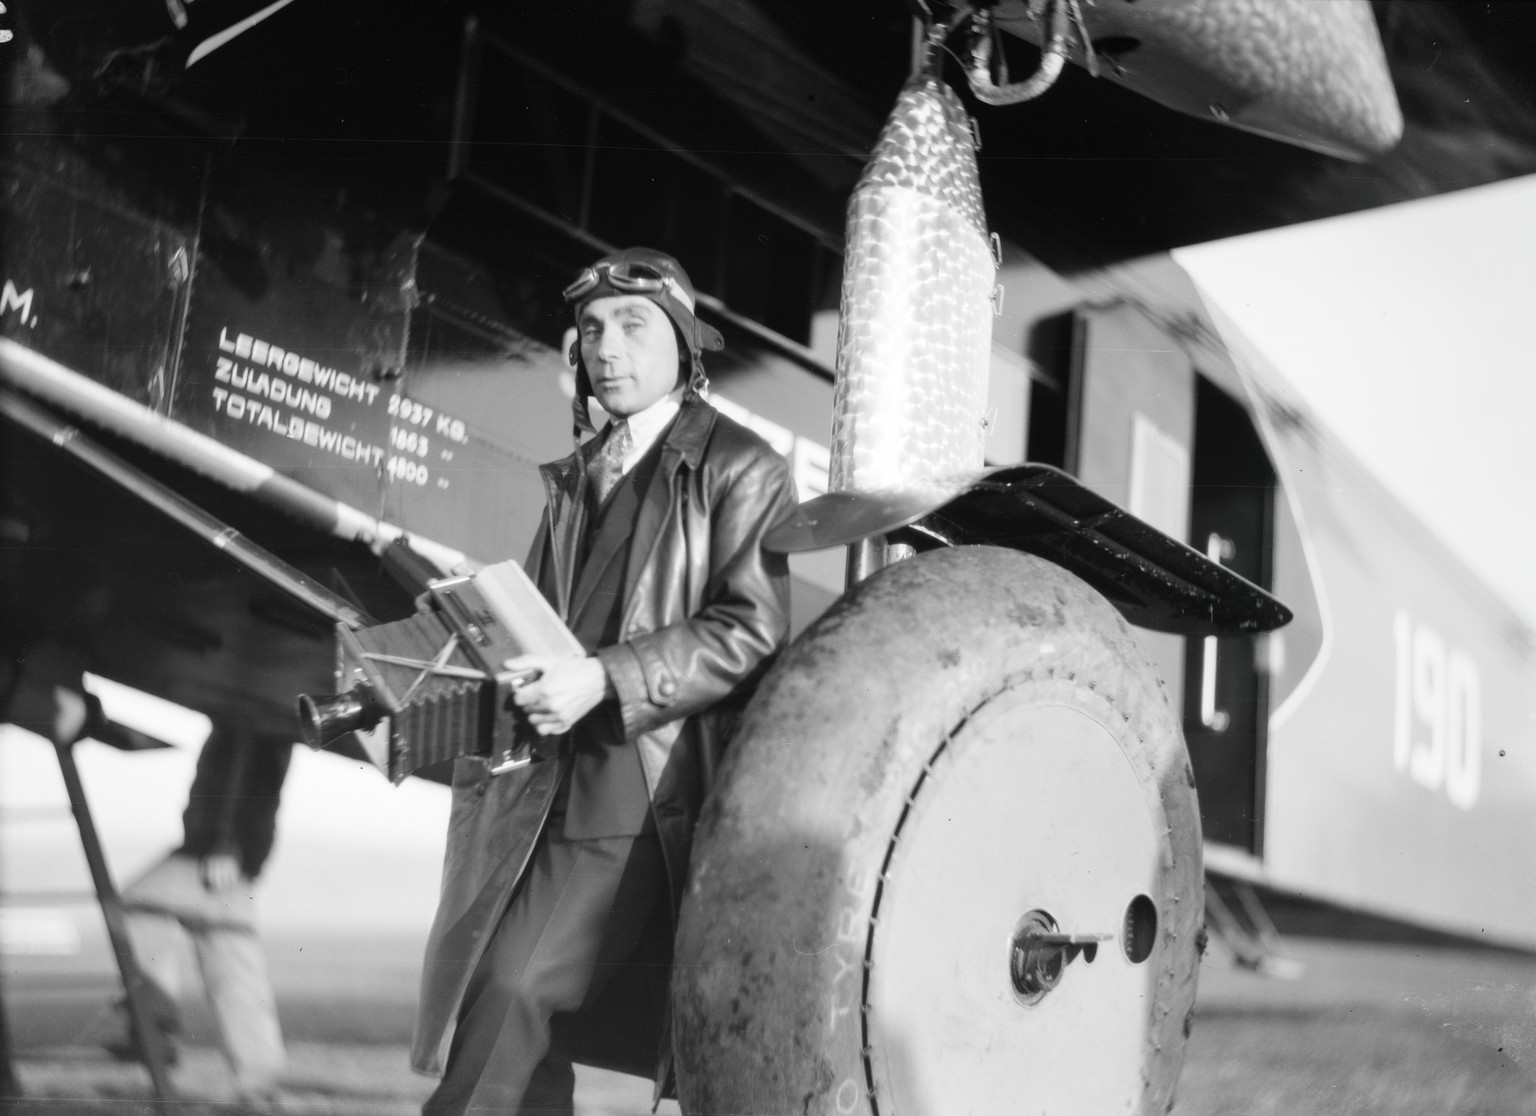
(219, 871)
(566, 690)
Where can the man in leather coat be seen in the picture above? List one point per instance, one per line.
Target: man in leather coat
(562, 879)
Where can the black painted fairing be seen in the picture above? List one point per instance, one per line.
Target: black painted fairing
(94, 579)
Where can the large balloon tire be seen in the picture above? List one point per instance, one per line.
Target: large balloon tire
(839, 861)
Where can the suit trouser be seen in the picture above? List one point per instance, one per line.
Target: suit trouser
(576, 918)
(171, 900)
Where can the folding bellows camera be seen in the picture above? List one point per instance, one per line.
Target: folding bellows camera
(431, 687)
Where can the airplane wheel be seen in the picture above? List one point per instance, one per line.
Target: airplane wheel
(952, 863)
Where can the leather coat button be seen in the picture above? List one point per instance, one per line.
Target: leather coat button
(666, 687)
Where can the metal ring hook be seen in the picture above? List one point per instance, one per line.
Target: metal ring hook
(1066, 17)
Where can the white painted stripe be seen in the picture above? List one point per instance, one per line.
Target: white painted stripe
(50, 380)
(445, 558)
(47, 379)
(214, 42)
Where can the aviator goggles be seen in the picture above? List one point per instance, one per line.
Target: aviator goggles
(629, 277)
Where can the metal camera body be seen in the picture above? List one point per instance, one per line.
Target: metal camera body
(430, 687)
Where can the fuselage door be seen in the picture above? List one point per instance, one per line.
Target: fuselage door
(1226, 692)
(1130, 424)
(1146, 431)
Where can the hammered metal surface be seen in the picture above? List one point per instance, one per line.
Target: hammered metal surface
(1311, 72)
(915, 326)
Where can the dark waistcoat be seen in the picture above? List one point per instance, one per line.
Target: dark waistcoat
(604, 794)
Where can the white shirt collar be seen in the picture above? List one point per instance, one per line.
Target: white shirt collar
(647, 425)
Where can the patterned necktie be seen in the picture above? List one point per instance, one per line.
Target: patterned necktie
(607, 465)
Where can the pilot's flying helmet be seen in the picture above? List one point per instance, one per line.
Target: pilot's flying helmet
(660, 278)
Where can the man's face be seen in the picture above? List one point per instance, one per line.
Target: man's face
(630, 350)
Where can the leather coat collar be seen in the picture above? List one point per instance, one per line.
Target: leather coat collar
(684, 444)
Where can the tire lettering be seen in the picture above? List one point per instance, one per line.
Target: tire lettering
(848, 925)
(841, 1000)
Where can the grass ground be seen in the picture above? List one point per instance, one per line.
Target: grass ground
(1364, 1031)
(1367, 1031)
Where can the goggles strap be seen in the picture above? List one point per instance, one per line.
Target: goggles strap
(619, 278)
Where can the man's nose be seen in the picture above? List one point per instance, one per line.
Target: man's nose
(608, 344)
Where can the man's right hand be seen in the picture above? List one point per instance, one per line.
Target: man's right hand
(565, 690)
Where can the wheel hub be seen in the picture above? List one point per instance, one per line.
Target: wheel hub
(972, 1005)
(1040, 953)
